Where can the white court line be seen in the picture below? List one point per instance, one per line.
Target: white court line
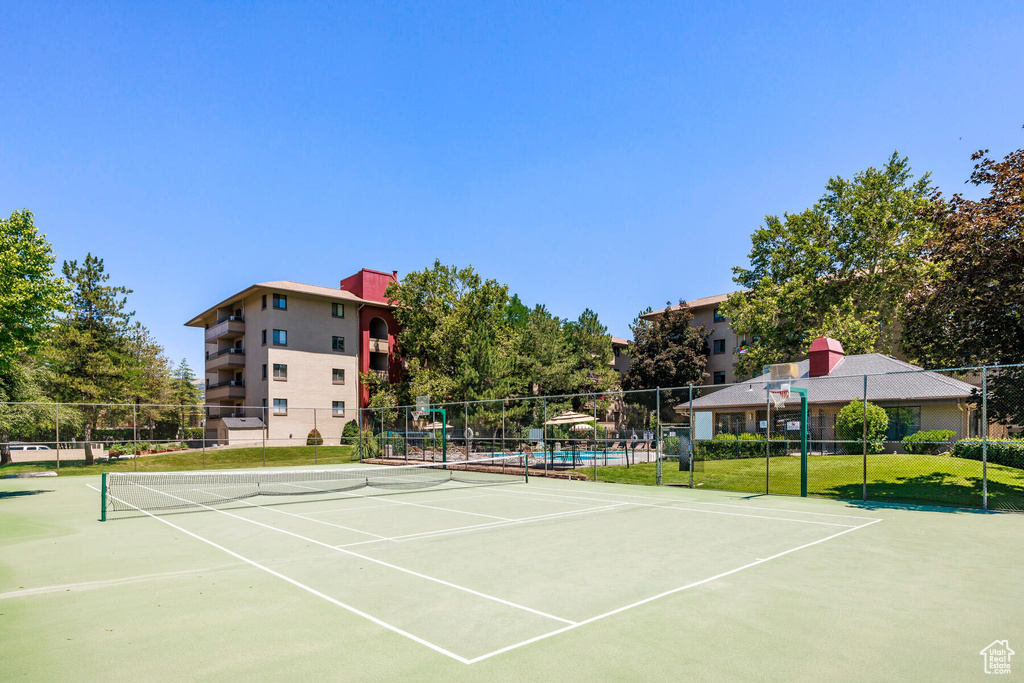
(110, 583)
(419, 505)
(664, 594)
(676, 506)
(486, 525)
(368, 558)
(731, 505)
(350, 608)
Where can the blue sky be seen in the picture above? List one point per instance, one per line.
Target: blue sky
(611, 156)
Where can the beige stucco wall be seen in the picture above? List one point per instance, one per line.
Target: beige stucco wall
(725, 362)
(310, 360)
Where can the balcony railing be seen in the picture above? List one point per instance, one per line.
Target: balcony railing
(222, 352)
(381, 374)
(235, 318)
(227, 383)
(227, 327)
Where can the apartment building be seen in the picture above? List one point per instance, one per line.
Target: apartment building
(724, 345)
(277, 349)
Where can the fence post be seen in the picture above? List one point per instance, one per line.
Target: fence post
(405, 436)
(657, 439)
(767, 439)
(135, 439)
(865, 440)
(56, 421)
(263, 433)
(465, 431)
(984, 438)
(202, 425)
(692, 453)
(594, 454)
(316, 436)
(544, 440)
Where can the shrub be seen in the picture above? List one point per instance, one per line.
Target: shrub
(930, 442)
(314, 438)
(747, 445)
(850, 427)
(1009, 452)
(350, 429)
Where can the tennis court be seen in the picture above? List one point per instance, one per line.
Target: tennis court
(477, 574)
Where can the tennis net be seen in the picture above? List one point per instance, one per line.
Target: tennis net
(176, 491)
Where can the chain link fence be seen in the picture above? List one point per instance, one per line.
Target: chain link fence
(936, 437)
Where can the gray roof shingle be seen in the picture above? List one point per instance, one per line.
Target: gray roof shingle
(889, 379)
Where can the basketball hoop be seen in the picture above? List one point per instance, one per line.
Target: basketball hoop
(779, 396)
(418, 414)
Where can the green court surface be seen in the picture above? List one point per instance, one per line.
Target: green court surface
(550, 580)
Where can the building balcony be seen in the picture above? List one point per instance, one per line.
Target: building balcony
(231, 389)
(228, 327)
(378, 345)
(224, 359)
(382, 375)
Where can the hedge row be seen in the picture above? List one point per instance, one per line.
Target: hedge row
(747, 445)
(1009, 452)
(932, 441)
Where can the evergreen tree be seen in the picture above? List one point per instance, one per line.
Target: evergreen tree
(89, 345)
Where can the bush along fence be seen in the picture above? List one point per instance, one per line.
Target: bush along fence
(877, 429)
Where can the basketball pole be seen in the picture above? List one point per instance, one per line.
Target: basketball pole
(803, 439)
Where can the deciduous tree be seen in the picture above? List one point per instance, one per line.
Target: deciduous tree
(30, 292)
(842, 268)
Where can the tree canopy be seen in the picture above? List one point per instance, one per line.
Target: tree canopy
(666, 352)
(30, 291)
(841, 268)
(464, 337)
(971, 309)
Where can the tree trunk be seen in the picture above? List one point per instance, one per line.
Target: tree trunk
(5, 448)
(89, 460)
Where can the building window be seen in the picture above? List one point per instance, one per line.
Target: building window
(264, 411)
(902, 422)
(338, 343)
(263, 337)
(263, 301)
(616, 350)
(280, 406)
(719, 318)
(338, 310)
(264, 371)
(730, 423)
(281, 302)
(338, 375)
(718, 377)
(281, 337)
(719, 346)
(280, 371)
(338, 408)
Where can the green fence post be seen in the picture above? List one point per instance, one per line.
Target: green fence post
(803, 440)
(984, 438)
(103, 497)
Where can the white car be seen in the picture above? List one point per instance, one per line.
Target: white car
(28, 447)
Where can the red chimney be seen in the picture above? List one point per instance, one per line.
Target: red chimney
(824, 356)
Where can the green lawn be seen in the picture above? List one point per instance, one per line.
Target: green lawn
(224, 458)
(932, 479)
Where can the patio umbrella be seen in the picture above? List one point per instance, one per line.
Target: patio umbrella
(570, 417)
(581, 427)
